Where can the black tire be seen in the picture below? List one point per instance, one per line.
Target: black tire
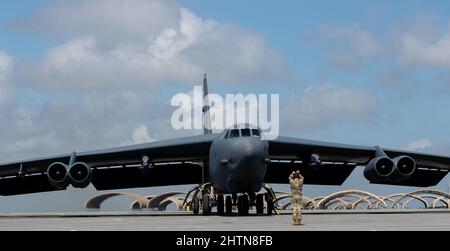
(206, 205)
(245, 205)
(260, 204)
(252, 197)
(196, 206)
(229, 205)
(220, 205)
(240, 207)
(270, 207)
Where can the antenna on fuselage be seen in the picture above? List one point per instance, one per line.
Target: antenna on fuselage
(206, 107)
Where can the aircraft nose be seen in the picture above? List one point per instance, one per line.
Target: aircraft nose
(247, 148)
(249, 153)
(248, 168)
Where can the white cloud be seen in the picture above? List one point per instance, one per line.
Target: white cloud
(110, 47)
(419, 49)
(111, 21)
(351, 45)
(418, 145)
(6, 64)
(96, 88)
(6, 89)
(406, 51)
(141, 135)
(93, 121)
(419, 43)
(325, 105)
(31, 143)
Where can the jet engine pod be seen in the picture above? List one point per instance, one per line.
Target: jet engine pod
(379, 170)
(80, 175)
(405, 166)
(58, 176)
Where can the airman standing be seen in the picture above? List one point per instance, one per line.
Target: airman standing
(296, 180)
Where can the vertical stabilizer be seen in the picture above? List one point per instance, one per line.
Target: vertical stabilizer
(206, 107)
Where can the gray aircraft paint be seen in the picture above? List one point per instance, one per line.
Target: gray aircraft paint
(238, 165)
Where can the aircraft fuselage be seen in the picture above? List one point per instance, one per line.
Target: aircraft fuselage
(239, 164)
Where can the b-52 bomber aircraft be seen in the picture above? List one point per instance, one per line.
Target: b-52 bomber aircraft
(230, 168)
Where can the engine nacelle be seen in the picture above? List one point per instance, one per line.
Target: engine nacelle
(379, 170)
(58, 175)
(80, 175)
(405, 166)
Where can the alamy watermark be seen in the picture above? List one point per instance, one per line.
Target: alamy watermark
(262, 111)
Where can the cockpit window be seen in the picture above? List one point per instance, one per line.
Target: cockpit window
(256, 133)
(246, 133)
(234, 134)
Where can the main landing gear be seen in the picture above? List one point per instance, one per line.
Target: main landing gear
(204, 199)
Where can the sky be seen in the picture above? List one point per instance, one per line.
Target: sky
(83, 75)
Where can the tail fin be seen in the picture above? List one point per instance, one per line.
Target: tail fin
(206, 107)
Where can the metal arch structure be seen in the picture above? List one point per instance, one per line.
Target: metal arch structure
(339, 204)
(156, 202)
(361, 202)
(138, 206)
(425, 195)
(440, 199)
(345, 200)
(429, 199)
(135, 206)
(177, 201)
(410, 198)
(355, 194)
(159, 202)
(282, 198)
(97, 201)
(308, 203)
(391, 201)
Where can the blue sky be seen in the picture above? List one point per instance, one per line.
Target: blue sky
(360, 72)
(20, 43)
(287, 25)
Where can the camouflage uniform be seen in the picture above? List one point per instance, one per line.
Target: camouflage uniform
(296, 180)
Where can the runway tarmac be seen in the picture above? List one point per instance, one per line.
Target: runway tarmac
(155, 221)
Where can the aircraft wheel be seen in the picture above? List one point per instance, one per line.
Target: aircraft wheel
(235, 198)
(220, 205)
(270, 207)
(260, 204)
(252, 197)
(229, 205)
(240, 205)
(196, 205)
(245, 205)
(206, 205)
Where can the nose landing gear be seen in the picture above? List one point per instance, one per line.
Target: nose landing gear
(260, 204)
(270, 198)
(229, 205)
(220, 205)
(207, 207)
(202, 196)
(243, 205)
(205, 198)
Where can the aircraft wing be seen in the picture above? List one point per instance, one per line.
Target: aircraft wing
(339, 161)
(176, 162)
